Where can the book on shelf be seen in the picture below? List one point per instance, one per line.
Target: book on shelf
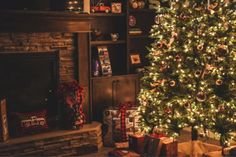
(135, 31)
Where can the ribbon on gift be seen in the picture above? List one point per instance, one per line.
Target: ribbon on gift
(122, 109)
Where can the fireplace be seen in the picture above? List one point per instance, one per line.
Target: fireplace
(29, 81)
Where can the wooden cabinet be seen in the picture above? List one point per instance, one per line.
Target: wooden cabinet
(110, 91)
(123, 85)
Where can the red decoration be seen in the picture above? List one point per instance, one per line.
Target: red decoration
(71, 96)
(122, 109)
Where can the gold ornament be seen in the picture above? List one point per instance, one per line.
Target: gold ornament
(197, 73)
(219, 82)
(157, 19)
(163, 66)
(186, 4)
(200, 47)
(155, 84)
(201, 97)
(221, 108)
(212, 7)
(172, 83)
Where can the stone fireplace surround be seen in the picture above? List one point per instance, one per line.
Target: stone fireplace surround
(35, 31)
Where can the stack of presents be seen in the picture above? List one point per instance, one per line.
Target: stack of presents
(121, 130)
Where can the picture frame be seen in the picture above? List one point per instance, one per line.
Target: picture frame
(135, 59)
(104, 59)
(3, 121)
(116, 7)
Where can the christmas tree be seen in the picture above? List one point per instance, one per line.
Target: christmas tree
(191, 79)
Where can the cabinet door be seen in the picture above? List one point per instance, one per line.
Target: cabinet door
(112, 91)
(126, 90)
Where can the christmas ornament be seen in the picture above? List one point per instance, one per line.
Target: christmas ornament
(187, 105)
(168, 110)
(182, 16)
(163, 66)
(200, 47)
(211, 7)
(197, 73)
(178, 58)
(157, 19)
(221, 107)
(172, 83)
(222, 50)
(201, 97)
(155, 84)
(219, 82)
(186, 4)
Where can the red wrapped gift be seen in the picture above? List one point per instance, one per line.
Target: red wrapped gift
(164, 146)
(136, 143)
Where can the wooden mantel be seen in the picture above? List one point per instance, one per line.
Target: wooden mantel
(43, 21)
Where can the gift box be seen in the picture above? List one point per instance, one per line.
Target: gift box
(163, 146)
(198, 149)
(136, 143)
(122, 153)
(112, 129)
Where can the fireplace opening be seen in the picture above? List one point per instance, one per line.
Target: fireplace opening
(29, 81)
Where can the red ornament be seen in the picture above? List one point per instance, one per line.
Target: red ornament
(219, 82)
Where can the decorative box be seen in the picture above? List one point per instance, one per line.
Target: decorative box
(163, 146)
(112, 124)
(136, 143)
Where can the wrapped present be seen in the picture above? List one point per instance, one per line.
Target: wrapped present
(118, 124)
(163, 146)
(122, 145)
(122, 153)
(198, 149)
(136, 143)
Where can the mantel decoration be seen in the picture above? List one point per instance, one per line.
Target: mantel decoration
(71, 97)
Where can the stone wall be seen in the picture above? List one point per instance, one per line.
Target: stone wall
(41, 42)
(58, 143)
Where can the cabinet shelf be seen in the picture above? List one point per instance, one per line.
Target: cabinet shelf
(142, 10)
(107, 42)
(113, 76)
(138, 36)
(106, 14)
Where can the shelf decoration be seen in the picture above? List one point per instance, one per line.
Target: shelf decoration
(74, 5)
(137, 4)
(104, 59)
(3, 121)
(132, 21)
(114, 36)
(135, 59)
(100, 7)
(116, 8)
